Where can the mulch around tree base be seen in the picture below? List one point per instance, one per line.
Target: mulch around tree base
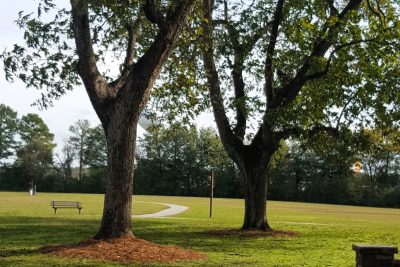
(124, 250)
(252, 233)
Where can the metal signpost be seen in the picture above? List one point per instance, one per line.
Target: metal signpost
(212, 185)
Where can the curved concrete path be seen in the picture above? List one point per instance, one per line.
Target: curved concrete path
(171, 210)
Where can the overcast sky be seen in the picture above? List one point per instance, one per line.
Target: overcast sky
(73, 106)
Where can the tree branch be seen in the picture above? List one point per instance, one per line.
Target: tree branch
(153, 13)
(95, 84)
(237, 76)
(143, 74)
(332, 9)
(230, 141)
(240, 98)
(233, 33)
(324, 72)
(288, 92)
(241, 51)
(269, 70)
(351, 5)
(298, 132)
(252, 40)
(345, 107)
(381, 12)
(377, 12)
(133, 33)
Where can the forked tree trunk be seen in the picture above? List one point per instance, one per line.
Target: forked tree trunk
(119, 103)
(121, 142)
(254, 174)
(253, 166)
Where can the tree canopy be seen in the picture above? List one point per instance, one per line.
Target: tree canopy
(327, 63)
(8, 129)
(296, 68)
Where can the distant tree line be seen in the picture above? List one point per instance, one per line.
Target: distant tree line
(27, 155)
(178, 160)
(321, 170)
(26, 150)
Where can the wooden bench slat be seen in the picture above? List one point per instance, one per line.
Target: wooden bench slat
(65, 204)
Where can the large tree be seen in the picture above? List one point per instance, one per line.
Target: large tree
(35, 152)
(31, 126)
(145, 32)
(379, 153)
(8, 131)
(294, 68)
(64, 163)
(96, 152)
(78, 140)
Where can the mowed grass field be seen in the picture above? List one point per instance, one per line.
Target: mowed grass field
(325, 233)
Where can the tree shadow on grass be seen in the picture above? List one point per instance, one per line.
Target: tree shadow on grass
(203, 238)
(29, 232)
(16, 252)
(23, 236)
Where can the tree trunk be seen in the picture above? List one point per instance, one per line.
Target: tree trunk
(254, 174)
(121, 144)
(80, 160)
(118, 104)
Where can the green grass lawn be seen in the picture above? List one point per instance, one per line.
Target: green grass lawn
(325, 232)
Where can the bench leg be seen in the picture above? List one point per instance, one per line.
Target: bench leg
(79, 211)
(55, 210)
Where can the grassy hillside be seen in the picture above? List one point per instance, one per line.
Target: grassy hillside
(325, 233)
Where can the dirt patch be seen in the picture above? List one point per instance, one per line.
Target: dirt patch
(124, 250)
(252, 233)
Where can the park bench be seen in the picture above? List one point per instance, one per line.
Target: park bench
(65, 204)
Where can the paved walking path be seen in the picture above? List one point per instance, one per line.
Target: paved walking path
(307, 223)
(171, 210)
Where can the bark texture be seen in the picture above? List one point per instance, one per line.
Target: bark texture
(121, 141)
(118, 104)
(254, 173)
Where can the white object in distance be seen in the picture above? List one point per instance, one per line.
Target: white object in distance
(147, 119)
